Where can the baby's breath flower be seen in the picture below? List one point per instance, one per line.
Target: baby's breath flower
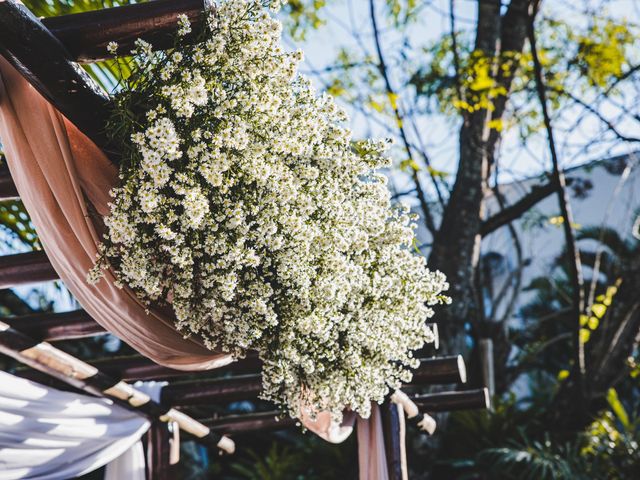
(246, 206)
(184, 25)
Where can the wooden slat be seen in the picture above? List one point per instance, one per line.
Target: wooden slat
(7, 188)
(248, 423)
(25, 268)
(40, 57)
(441, 370)
(450, 401)
(56, 326)
(205, 392)
(86, 35)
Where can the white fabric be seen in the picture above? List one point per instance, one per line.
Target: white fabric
(49, 434)
(131, 464)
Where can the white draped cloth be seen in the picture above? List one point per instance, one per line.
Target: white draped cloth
(49, 434)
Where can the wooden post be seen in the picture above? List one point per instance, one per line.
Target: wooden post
(488, 373)
(157, 451)
(393, 428)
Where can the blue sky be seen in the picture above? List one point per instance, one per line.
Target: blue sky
(440, 133)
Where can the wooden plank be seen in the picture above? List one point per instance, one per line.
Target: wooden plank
(248, 423)
(40, 58)
(25, 268)
(8, 189)
(86, 35)
(441, 370)
(56, 326)
(205, 392)
(451, 401)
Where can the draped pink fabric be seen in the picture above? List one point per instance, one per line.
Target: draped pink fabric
(58, 171)
(372, 461)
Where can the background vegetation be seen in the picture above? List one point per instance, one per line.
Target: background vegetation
(498, 91)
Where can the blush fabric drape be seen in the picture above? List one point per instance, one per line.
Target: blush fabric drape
(58, 173)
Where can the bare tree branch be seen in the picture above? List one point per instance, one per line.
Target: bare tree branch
(575, 265)
(512, 212)
(382, 67)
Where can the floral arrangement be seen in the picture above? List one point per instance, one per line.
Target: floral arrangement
(246, 206)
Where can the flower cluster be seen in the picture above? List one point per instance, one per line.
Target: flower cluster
(246, 206)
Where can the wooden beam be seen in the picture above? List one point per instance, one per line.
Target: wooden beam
(205, 392)
(8, 189)
(47, 358)
(86, 35)
(441, 370)
(450, 401)
(157, 451)
(136, 367)
(133, 368)
(56, 326)
(40, 57)
(25, 268)
(248, 423)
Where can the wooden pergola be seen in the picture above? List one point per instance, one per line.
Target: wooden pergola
(47, 53)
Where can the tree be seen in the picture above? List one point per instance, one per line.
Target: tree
(525, 77)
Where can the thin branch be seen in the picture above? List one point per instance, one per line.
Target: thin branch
(382, 67)
(575, 267)
(454, 49)
(512, 212)
(592, 110)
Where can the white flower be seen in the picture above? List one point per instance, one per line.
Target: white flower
(246, 203)
(184, 24)
(112, 48)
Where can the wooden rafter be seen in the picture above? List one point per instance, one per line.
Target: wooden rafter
(47, 358)
(451, 401)
(56, 326)
(40, 58)
(25, 268)
(86, 35)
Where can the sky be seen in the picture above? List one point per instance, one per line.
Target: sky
(439, 133)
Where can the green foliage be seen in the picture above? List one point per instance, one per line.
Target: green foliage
(296, 456)
(304, 15)
(603, 51)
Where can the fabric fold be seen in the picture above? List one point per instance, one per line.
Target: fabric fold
(47, 434)
(58, 171)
